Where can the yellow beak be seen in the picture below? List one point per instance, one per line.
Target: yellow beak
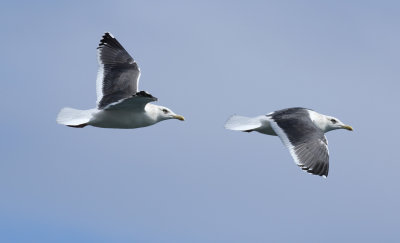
(347, 127)
(181, 118)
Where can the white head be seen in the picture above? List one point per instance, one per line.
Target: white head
(334, 123)
(327, 123)
(164, 113)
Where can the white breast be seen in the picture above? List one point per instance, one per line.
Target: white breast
(319, 120)
(121, 119)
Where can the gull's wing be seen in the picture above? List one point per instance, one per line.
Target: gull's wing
(118, 74)
(135, 102)
(306, 142)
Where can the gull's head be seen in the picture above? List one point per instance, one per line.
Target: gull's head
(165, 113)
(327, 123)
(333, 123)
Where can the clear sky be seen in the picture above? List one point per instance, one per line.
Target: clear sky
(194, 181)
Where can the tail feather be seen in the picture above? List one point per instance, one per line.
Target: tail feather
(242, 123)
(73, 117)
(78, 126)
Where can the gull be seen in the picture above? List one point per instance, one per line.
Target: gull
(301, 131)
(119, 103)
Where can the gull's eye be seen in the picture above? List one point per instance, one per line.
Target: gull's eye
(333, 121)
(165, 111)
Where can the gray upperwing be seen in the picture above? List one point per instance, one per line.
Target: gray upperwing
(136, 102)
(314, 156)
(118, 74)
(305, 141)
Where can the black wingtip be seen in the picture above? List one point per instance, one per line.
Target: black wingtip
(106, 39)
(318, 171)
(323, 174)
(145, 94)
(108, 35)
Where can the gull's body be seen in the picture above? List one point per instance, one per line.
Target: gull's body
(301, 131)
(119, 103)
(126, 118)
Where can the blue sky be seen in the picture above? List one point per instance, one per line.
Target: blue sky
(194, 181)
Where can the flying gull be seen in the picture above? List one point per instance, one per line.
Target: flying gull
(119, 103)
(301, 131)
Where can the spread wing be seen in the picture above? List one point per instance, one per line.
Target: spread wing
(135, 102)
(118, 74)
(306, 142)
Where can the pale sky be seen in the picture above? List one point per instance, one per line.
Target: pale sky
(194, 181)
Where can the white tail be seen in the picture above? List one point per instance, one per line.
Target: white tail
(73, 117)
(242, 123)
